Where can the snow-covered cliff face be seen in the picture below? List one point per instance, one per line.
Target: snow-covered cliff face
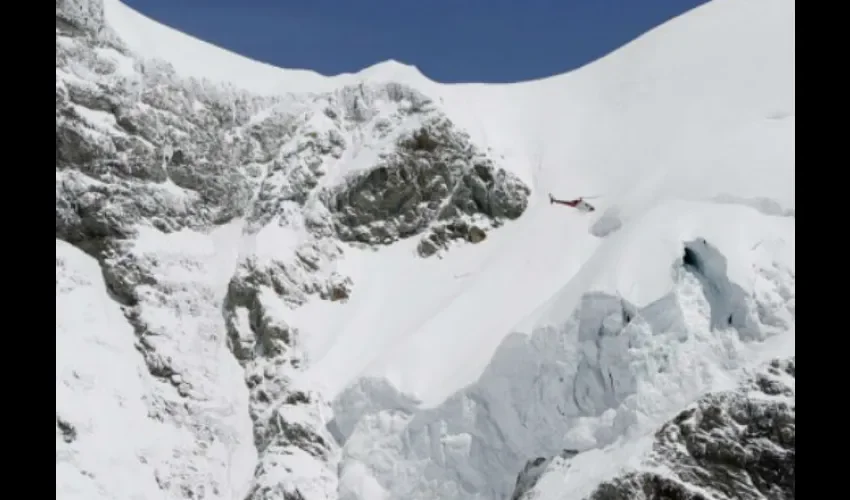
(163, 179)
(369, 163)
(255, 285)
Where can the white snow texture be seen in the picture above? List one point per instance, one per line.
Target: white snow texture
(561, 330)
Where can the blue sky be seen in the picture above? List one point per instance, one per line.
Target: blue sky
(449, 40)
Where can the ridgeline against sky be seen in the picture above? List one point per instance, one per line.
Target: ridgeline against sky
(450, 41)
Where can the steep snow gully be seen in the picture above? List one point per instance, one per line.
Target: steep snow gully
(273, 284)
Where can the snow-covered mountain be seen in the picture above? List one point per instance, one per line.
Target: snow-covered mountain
(273, 284)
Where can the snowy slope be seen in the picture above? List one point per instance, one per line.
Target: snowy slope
(483, 356)
(103, 390)
(639, 131)
(655, 120)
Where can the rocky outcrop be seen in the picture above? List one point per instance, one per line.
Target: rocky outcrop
(737, 444)
(530, 474)
(433, 174)
(731, 444)
(443, 233)
(135, 142)
(79, 17)
(288, 423)
(143, 146)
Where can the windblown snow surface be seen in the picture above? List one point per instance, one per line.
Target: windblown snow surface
(560, 331)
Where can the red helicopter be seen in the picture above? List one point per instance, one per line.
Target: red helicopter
(578, 203)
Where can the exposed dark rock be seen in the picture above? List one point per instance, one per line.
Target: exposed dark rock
(267, 349)
(269, 336)
(78, 17)
(435, 175)
(427, 247)
(646, 486)
(531, 473)
(68, 431)
(297, 397)
(737, 444)
(476, 234)
(441, 234)
(421, 141)
(337, 291)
